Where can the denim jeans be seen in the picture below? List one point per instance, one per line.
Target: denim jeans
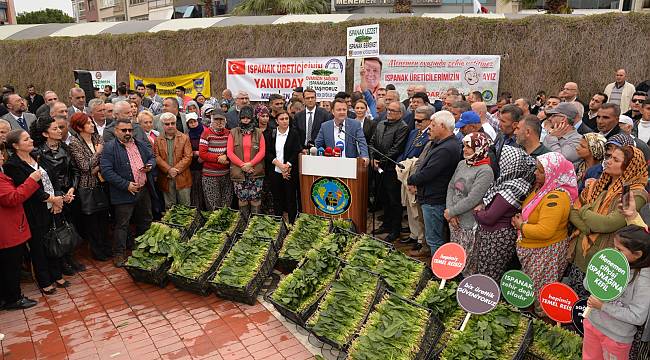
(433, 225)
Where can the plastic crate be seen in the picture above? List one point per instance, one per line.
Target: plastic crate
(158, 277)
(187, 232)
(287, 265)
(277, 242)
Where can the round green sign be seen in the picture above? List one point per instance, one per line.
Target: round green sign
(518, 289)
(608, 273)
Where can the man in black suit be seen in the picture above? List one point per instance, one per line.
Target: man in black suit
(316, 114)
(607, 120)
(34, 100)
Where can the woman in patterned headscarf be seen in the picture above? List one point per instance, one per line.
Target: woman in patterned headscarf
(471, 180)
(496, 238)
(596, 214)
(543, 222)
(591, 150)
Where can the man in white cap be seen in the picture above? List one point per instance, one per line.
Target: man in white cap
(627, 126)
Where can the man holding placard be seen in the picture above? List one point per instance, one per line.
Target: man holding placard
(610, 326)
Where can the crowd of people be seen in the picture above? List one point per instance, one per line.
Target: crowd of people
(540, 185)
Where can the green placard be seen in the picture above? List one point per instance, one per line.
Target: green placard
(518, 289)
(608, 273)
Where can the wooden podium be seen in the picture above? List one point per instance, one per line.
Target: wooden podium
(335, 187)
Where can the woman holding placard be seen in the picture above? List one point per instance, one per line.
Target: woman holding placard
(610, 327)
(596, 214)
(471, 180)
(496, 238)
(544, 218)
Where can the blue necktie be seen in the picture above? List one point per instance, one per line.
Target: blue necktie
(22, 123)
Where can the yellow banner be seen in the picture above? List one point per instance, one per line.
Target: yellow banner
(193, 83)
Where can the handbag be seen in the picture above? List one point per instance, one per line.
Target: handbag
(92, 200)
(61, 240)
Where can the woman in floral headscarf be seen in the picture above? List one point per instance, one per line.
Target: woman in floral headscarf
(596, 214)
(496, 238)
(471, 180)
(591, 151)
(542, 243)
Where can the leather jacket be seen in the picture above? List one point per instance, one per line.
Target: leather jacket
(59, 166)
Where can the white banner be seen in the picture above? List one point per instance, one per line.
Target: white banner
(325, 82)
(103, 78)
(438, 73)
(261, 77)
(363, 41)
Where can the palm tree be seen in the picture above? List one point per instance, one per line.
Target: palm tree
(281, 7)
(402, 6)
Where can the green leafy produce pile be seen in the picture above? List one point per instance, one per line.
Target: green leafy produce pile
(179, 215)
(401, 273)
(307, 232)
(242, 262)
(344, 306)
(344, 224)
(300, 289)
(555, 343)
(393, 331)
(222, 220)
(154, 247)
(263, 226)
(443, 304)
(495, 335)
(367, 253)
(195, 257)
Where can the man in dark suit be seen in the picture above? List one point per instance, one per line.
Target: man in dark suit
(18, 117)
(310, 119)
(34, 100)
(78, 101)
(607, 120)
(341, 132)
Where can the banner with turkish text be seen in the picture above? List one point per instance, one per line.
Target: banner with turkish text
(193, 83)
(103, 78)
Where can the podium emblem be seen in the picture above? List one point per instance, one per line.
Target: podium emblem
(330, 195)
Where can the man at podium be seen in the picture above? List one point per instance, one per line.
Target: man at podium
(343, 133)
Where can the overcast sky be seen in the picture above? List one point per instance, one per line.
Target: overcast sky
(32, 5)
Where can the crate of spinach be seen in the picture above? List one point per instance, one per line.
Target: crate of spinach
(345, 306)
(297, 295)
(368, 252)
(397, 329)
(242, 272)
(196, 259)
(554, 343)
(152, 255)
(404, 275)
(344, 224)
(443, 305)
(185, 217)
(267, 227)
(224, 220)
(501, 334)
(305, 234)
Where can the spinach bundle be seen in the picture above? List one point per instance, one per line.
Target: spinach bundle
(443, 304)
(555, 343)
(393, 331)
(222, 220)
(344, 306)
(307, 231)
(154, 247)
(401, 273)
(242, 262)
(263, 226)
(344, 224)
(367, 252)
(300, 289)
(195, 257)
(180, 215)
(496, 335)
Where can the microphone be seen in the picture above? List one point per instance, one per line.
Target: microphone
(337, 152)
(321, 151)
(313, 151)
(328, 151)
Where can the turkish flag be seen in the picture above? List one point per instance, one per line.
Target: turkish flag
(237, 67)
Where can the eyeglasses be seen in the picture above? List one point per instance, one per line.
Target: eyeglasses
(419, 121)
(126, 130)
(243, 98)
(169, 124)
(638, 101)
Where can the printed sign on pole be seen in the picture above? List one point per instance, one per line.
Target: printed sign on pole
(327, 83)
(477, 294)
(557, 300)
(607, 276)
(363, 41)
(448, 261)
(577, 315)
(518, 289)
(103, 78)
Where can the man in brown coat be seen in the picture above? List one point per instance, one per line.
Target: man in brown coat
(173, 157)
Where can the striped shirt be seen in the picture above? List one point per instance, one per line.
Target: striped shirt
(211, 146)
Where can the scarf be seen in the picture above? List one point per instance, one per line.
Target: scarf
(196, 132)
(515, 179)
(559, 175)
(480, 143)
(621, 140)
(246, 112)
(596, 144)
(635, 175)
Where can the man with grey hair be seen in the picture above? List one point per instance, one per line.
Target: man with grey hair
(122, 111)
(50, 97)
(391, 95)
(173, 152)
(563, 137)
(232, 117)
(580, 126)
(97, 115)
(459, 107)
(430, 179)
(77, 101)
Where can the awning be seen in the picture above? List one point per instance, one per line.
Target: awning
(165, 13)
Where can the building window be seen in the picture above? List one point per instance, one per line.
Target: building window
(108, 3)
(136, 2)
(82, 9)
(153, 4)
(141, 17)
(3, 15)
(91, 4)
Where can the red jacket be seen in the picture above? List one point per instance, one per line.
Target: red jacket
(15, 229)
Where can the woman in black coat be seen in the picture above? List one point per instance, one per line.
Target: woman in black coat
(282, 163)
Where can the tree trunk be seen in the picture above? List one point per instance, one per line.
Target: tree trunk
(208, 8)
(402, 6)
